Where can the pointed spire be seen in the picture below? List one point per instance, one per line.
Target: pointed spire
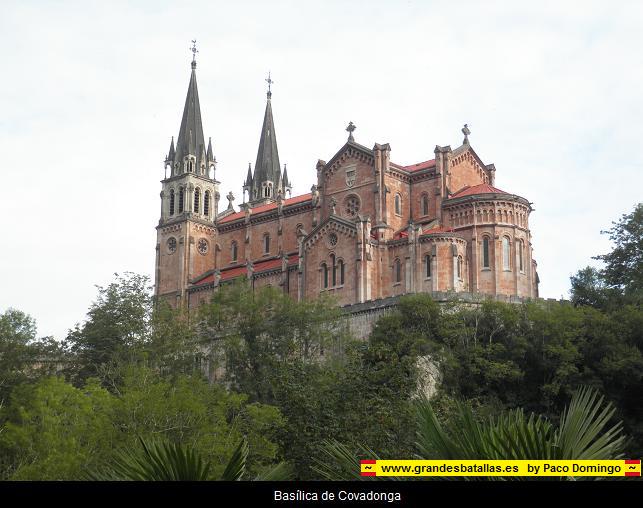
(210, 155)
(267, 167)
(191, 140)
(171, 153)
(248, 182)
(286, 183)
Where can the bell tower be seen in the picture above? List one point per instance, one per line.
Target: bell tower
(186, 233)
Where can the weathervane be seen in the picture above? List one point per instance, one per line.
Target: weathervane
(351, 127)
(270, 82)
(194, 52)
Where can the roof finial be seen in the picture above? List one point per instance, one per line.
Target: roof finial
(270, 82)
(351, 127)
(194, 52)
(466, 132)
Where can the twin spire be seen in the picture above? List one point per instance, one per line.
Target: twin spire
(267, 182)
(189, 154)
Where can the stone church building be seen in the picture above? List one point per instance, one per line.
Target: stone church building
(369, 228)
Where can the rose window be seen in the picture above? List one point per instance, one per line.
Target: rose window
(202, 246)
(352, 206)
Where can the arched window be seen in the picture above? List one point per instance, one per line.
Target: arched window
(459, 267)
(427, 266)
(171, 201)
(398, 204)
(398, 271)
(206, 203)
(181, 193)
(334, 269)
(506, 251)
(485, 252)
(266, 243)
(233, 251)
(324, 275)
(521, 248)
(340, 266)
(197, 200)
(425, 204)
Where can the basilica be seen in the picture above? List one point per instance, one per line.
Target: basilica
(369, 228)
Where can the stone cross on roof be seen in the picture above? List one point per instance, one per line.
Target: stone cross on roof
(351, 127)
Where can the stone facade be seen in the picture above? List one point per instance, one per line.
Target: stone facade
(369, 229)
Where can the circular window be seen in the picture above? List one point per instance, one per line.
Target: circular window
(202, 246)
(332, 239)
(171, 245)
(351, 205)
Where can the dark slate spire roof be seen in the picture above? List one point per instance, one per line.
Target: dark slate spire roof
(248, 182)
(191, 140)
(210, 155)
(267, 167)
(286, 182)
(171, 153)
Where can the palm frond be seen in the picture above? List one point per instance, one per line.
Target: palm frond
(338, 462)
(154, 461)
(277, 473)
(237, 464)
(582, 434)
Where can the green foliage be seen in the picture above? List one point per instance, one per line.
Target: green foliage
(158, 460)
(117, 322)
(54, 431)
(584, 433)
(624, 264)
(154, 461)
(620, 281)
(23, 357)
(262, 331)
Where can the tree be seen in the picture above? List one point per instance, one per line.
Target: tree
(624, 264)
(620, 282)
(54, 431)
(23, 357)
(116, 322)
(256, 333)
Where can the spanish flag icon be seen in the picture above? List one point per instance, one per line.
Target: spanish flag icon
(367, 468)
(633, 468)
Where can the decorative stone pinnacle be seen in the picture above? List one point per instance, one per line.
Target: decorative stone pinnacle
(466, 132)
(351, 127)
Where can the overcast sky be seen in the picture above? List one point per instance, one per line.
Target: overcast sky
(91, 93)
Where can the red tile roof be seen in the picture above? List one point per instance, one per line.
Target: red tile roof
(416, 167)
(483, 188)
(439, 229)
(264, 208)
(421, 165)
(259, 266)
